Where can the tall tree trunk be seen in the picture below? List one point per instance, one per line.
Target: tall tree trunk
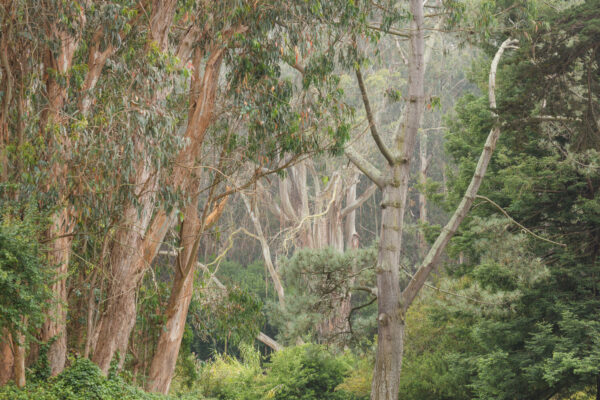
(266, 250)
(390, 318)
(131, 260)
(19, 359)
(169, 342)
(424, 161)
(165, 356)
(434, 254)
(7, 358)
(55, 327)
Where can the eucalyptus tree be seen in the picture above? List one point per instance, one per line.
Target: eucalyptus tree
(61, 55)
(250, 42)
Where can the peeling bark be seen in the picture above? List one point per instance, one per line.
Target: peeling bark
(169, 342)
(131, 260)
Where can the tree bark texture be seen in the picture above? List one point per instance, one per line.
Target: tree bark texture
(19, 359)
(424, 160)
(390, 319)
(169, 342)
(167, 349)
(137, 247)
(7, 358)
(55, 328)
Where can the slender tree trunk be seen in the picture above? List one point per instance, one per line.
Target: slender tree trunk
(136, 251)
(390, 318)
(19, 359)
(424, 160)
(165, 356)
(7, 358)
(266, 250)
(434, 254)
(169, 342)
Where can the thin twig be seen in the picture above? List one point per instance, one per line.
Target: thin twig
(518, 224)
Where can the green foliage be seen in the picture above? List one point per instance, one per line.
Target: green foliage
(307, 372)
(24, 280)
(542, 341)
(231, 315)
(316, 282)
(81, 381)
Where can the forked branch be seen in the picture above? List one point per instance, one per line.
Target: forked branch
(434, 254)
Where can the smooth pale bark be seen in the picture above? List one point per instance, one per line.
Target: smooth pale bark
(424, 160)
(169, 342)
(266, 250)
(165, 356)
(331, 223)
(19, 359)
(394, 184)
(390, 318)
(338, 323)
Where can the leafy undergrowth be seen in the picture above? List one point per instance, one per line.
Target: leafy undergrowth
(82, 381)
(307, 372)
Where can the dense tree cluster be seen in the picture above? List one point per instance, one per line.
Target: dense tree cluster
(299, 200)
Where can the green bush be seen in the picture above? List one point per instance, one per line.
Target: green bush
(81, 381)
(24, 281)
(307, 372)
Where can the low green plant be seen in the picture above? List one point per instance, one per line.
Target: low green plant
(83, 380)
(307, 372)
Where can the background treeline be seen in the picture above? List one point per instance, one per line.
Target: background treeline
(186, 205)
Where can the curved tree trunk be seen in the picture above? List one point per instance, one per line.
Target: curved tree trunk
(169, 342)
(131, 260)
(167, 349)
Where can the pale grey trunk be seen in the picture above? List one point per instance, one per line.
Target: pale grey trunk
(266, 250)
(422, 197)
(390, 319)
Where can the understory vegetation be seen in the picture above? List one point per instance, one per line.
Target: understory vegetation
(300, 200)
